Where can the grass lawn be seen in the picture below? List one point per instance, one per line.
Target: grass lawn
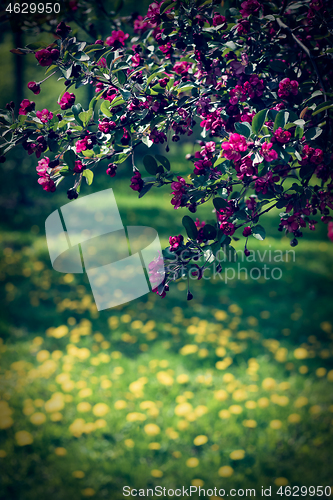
(232, 389)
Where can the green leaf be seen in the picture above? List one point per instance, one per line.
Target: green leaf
(243, 128)
(166, 6)
(164, 161)
(150, 164)
(147, 187)
(258, 121)
(121, 77)
(209, 232)
(190, 227)
(280, 120)
(69, 158)
(323, 107)
(120, 158)
(278, 66)
(105, 108)
(220, 203)
(81, 56)
(219, 161)
(85, 116)
(259, 232)
(313, 133)
(89, 175)
(88, 153)
(118, 101)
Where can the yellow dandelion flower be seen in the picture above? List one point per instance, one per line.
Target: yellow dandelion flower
(183, 409)
(221, 352)
(23, 438)
(135, 416)
(182, 425)
(268, 384)
(321, 372)
(38, 418)
(56, 403)
(6, 421)
(220, 315)
(68, 386)
(3, 453)
(152, 429)
(77, 427)
(239, 395)
(59, 332)
(188, 349)
(250, 423)
(83, 407)
(301, 401)
(237, 455)
(315, 410)
(129, 443)
(294, 418)
(61, 452)
(156, 473)
(228, 377)
(88, 492)
(224, 414)
(235, 409)
(221, 395)
(164, 378)
(300, 353)
(275, 424)
(106, 384)
(121, 404)
(200, 410)
(78, 474)
(225, 471)
(197, 482)
(192, 462)
(100, 423)
(146, 405)
(250, 405)
(184, 378)
(56, 417)
(100, 409)
(263, 402)
(200, 440)
(281, 481)
(42, 356)
(154, 446)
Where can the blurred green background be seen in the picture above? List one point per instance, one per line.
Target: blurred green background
(232, 389)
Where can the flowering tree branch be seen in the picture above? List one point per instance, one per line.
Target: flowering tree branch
(185, 68)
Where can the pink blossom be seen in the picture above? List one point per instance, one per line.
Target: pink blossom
(117, 39)
(282, 136)
(67, 100)
(268, 153)
(136, 182)
(44, 115)
(219, 20)
(249, 7)
(181, 67)
(233, 147)
(26, 106)
(175, 241)
(287, 87)
(227, 228)
(43, 165)
(330, 230)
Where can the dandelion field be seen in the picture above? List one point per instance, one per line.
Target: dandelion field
(232, 389)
